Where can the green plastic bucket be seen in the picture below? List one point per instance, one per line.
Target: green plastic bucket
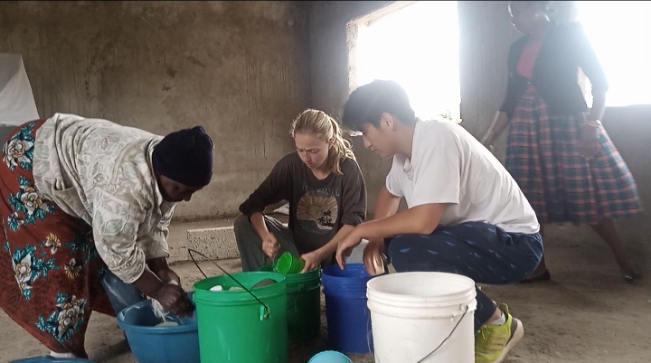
(234, 327)
(303, 305)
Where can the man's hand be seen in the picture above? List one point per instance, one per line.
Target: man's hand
(270, 245)
(345, 247)
(312, 260)
(373, 256)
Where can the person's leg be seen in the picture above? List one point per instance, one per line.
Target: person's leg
(477, 250)
(608, 232)
(541, 273)
(485, 254)
(250, 244)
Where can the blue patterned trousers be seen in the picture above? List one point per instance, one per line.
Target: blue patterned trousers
(478, 250)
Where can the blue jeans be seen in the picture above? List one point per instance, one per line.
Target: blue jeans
(478, 250)
(120, 293)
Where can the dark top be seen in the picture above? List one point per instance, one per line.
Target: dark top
(564, 50)
(317, 208)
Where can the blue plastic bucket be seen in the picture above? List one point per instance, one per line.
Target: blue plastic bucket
(349, 326)
(151, 344)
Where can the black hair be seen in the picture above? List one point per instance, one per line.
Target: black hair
(368, 102)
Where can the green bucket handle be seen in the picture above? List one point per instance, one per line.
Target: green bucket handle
(264, 309)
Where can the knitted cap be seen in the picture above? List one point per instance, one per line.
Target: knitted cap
(185, 156)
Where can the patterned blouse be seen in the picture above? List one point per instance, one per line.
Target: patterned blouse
(102, 172)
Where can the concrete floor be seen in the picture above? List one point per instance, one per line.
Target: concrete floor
(587, 314)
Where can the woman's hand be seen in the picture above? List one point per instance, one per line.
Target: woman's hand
(589, 142)
(174, 299)
(168, 275)
(162, 269)
(312, 260)
(270, 245)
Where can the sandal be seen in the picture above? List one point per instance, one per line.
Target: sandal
(545, 276)
(50, 359)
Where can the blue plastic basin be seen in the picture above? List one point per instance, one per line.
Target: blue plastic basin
(151, 344)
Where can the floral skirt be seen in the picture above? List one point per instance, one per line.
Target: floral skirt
(50, 271)
(542, 155)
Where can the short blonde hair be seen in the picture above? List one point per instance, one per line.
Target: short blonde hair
(323, 126)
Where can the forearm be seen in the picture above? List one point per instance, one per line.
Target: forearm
(418, 220)
(500, 121)
(158, 264)
(257, 220)
(598, 106)
(331, 246)
(149, 283)
(400, 223)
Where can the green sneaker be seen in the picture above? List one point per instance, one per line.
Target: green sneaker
(493, 342)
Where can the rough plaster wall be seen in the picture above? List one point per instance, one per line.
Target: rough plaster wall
(239, 68)
(485, 35)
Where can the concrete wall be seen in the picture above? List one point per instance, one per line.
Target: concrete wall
(239, 68)
(485, 35)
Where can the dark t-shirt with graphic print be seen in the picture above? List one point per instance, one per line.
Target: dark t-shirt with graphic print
(317, 208)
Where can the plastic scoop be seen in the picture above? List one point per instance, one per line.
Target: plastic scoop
(289, 264)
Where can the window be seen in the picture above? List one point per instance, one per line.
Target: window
(418, 47)
(620, 32)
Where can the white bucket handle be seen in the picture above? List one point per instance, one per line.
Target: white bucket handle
(368, 341)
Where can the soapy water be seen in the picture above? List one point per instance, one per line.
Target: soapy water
(166, 318)
(163, 315)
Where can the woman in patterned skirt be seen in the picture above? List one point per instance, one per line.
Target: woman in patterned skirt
(557, 149)
(85, 201)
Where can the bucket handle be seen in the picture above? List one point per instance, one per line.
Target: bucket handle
(435, 349)
(264, 309)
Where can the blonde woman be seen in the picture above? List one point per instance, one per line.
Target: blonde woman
(326, 192)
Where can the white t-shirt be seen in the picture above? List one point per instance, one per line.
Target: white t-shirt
(448, 165)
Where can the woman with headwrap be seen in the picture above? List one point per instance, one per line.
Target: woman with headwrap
(83, 201)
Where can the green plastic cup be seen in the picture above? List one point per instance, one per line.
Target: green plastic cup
(289, 264)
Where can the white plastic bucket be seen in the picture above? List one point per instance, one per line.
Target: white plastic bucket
(414, 313)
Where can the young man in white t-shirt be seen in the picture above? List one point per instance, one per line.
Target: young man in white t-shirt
(466, 213)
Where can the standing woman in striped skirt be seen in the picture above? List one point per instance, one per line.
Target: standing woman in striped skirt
(557, 149)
